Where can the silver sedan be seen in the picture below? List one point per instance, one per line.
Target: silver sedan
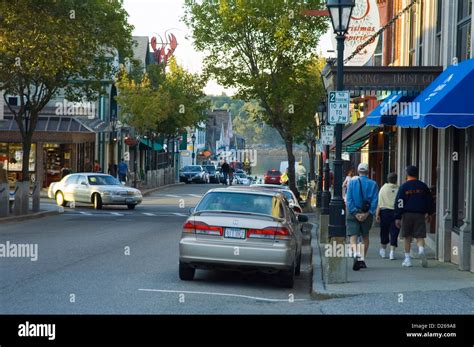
(94, 188)
(242, 230)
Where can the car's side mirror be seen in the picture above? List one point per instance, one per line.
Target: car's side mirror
(297, 209)
(83, 183)
(302, 218)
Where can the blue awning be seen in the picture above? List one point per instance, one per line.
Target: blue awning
(386, 113)
(447, 101)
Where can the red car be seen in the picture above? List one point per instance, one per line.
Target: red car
(272, 177)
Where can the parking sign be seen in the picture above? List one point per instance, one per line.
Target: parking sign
(327, 135)
(338, 107)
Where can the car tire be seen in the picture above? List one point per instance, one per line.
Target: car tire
(59, 197)
(298, 266)
(131, 206)
(287, 278)
(97, 201)
(186, 273)
(187, 182)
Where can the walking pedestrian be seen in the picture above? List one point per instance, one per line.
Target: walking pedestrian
(87, 165)
(3, 174)
(112, 170)
(414, 207)
(97, 167)
(122, 170)
(225, 169)
(386, 216)
(345, 184)
(362, 201)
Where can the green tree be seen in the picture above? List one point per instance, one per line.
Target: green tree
(162, 102)
(48, 47)
(257, 47)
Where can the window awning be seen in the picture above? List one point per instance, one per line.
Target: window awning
(355, 133)
(156, 146)
(386, 113)
(447, 101)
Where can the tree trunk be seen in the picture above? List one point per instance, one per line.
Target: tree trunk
(312, 166)
(291, 165)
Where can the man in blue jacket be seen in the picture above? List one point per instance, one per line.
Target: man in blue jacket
(362, 199)
(413, 209)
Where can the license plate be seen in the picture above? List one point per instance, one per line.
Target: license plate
(234, 233)
(129, 201)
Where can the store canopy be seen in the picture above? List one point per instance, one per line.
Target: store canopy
(386, 113)
(156, 145)
(354, 134)
(447, 101)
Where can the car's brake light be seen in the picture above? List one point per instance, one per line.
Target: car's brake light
(272, 233)
(201, 228)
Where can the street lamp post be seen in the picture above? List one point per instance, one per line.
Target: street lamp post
(324, 167)
(340, 12)
(193, 139)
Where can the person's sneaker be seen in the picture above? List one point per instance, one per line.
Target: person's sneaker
(424, 261)
(382, 253)
(407, 262)
(392, 255)
(362, 264)
(356, 266)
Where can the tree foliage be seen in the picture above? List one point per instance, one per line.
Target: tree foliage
(48, 47)
(258, 47)
(163, 102)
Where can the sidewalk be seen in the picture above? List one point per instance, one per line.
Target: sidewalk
(388, 276)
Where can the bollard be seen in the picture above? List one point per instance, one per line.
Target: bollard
(36, 194)
(4, 200)
(336, 265)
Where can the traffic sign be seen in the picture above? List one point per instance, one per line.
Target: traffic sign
(338, 107)
(327, 134)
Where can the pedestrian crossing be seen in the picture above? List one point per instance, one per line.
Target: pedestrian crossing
(123, 214)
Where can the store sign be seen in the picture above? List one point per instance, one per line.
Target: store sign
(126, 156)
(327, 135)
(365, 22)
(339, 107)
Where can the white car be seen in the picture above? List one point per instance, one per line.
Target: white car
(241, 178)
(93, 188)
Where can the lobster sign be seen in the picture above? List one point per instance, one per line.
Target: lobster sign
(160, 53)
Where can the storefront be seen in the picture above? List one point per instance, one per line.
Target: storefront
(59, 145)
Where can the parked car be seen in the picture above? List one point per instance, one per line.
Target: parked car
(93, 188)
(193, 173)
(258, 223)
(212, 174)
(272, 177)
(241, 178)
(288, 193)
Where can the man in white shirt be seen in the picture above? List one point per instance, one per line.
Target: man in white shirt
(386, 216)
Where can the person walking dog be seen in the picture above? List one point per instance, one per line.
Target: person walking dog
(362, 199)
(386, 216)
(414, 207)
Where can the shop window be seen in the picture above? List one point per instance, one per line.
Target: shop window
(420, 39)
(464, 29)
(459, 174)
(439, 11)
(378, 55)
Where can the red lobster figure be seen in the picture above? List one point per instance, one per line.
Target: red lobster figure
(159, 52)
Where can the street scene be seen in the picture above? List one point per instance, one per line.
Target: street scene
(179, 157)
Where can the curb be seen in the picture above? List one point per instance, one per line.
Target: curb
(29, 216)
(318, 287)
(152, 190)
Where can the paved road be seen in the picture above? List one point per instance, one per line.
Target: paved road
(121, 261)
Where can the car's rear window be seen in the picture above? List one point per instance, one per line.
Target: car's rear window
(210, 168)
(192, 168)
(273, 173)
(241, 202)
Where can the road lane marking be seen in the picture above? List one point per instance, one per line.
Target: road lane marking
(179, 214)
(116, 214)
(149, 214)
(172, 196)
(219, 294)
(195, 195)
(86, 213)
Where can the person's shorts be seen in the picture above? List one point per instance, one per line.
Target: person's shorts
(413, 225)
(356, 228)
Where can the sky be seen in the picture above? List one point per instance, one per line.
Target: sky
(154, 17)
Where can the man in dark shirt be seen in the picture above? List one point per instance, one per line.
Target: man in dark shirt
(413, 209)
(225, 168)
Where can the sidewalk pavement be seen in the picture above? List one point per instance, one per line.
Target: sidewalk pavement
(387, 276)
